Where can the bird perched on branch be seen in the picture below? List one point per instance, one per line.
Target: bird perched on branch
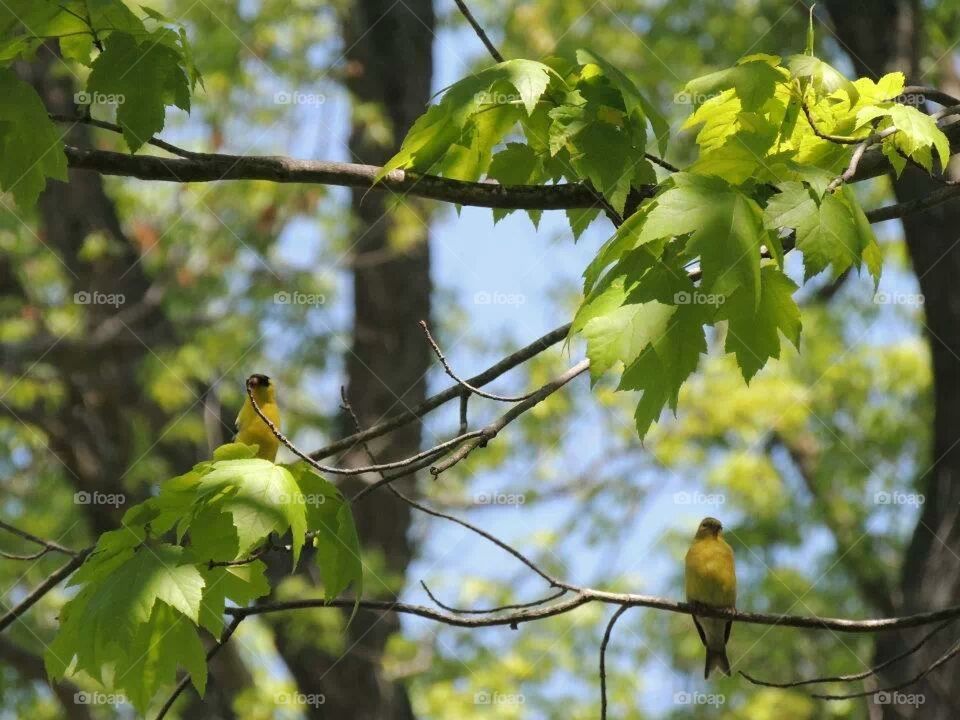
(711, 580)
(251, 429)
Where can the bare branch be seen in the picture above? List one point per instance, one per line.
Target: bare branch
(584, 596)
(942, 660)
(478, 611)
(603, 659)
(103, 125)
(491, 430)
(856, 676)
(42, 589)
(216, 167)
(432, 403)
(49, 545)
(429, 455)
(487, 43)
(464, 383)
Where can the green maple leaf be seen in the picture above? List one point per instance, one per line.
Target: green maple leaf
(916, 132)
(634, 101)
(99, 625)
(513, 83)
(754, 78)
(824, 77)
(621, 335)
(725, 228)
(661, 369)
(30, 144)
(336, 541)
(163, 643)
(830, 232)
(754, 332)
(262, 498)
(146, 77)
(240, 583)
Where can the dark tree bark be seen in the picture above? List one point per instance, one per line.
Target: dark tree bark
(390, 67)
(880, 36)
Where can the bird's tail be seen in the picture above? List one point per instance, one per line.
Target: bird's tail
(716, 659)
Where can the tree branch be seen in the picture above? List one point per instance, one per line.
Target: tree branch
(856, 676)
(432, 403)
(487, 43)
(42, 589)
(491, 430)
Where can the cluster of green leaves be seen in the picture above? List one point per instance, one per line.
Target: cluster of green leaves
(143, 600)
(552, 121)
(764, 174)
(141, 63)
(773, 136)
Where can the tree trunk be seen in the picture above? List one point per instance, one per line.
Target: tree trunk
(881, 36)
(389, 67)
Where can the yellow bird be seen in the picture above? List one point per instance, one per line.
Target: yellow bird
(711, 579)
(251, 429)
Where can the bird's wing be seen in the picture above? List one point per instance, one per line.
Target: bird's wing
(703, 636)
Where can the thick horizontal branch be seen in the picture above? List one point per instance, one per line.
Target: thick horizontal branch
(215, 167)
(212, 168)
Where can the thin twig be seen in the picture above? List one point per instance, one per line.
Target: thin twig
(856, 676)
(104, 125)
(50, 545)
(347, 407)
(43, 588)
(661, 162)
(490, 431)
(432, 403)
(429, 454)
(464, 383)
(603, 660)
(487, 43)
(486, 611)
(943, 659)
(185, 680)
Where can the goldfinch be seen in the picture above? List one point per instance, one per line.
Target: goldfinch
(711, 580)
(251, 430)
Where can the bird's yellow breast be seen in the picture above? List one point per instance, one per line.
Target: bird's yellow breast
(254, 431)
(710, 575)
